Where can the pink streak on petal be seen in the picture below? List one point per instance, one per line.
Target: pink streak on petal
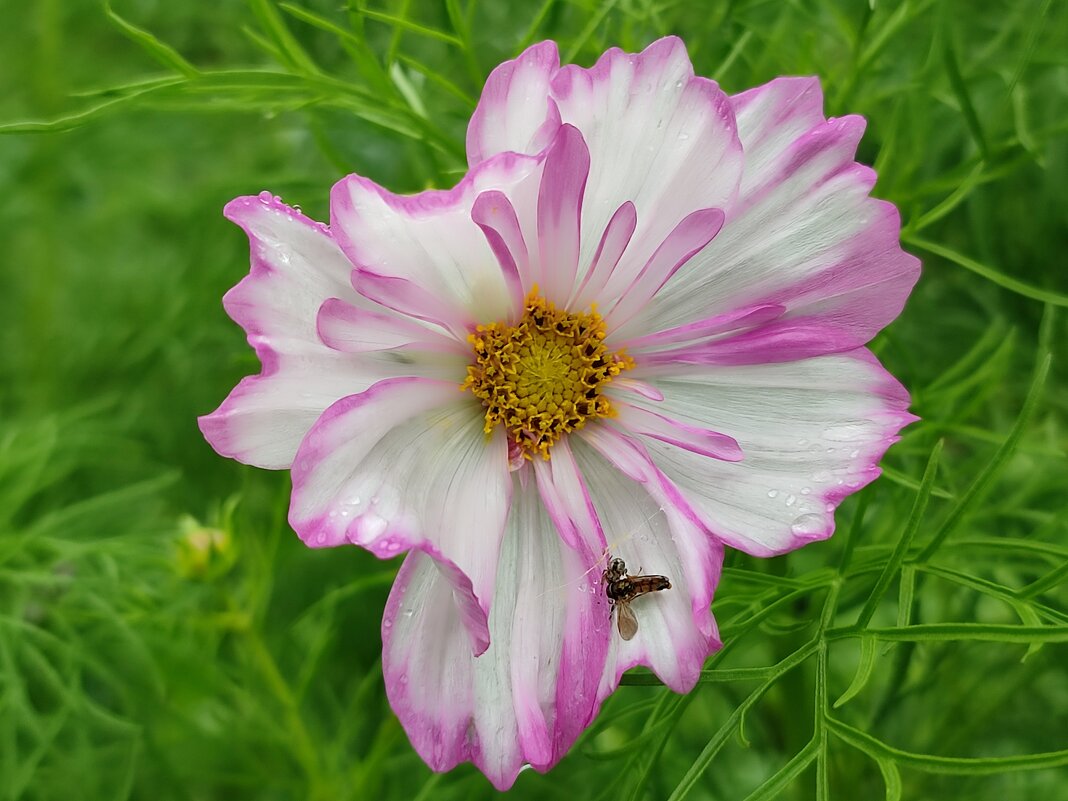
(689, 237)
(563, 182)
(351, 329)
(711, 326)
(624, 453)
(567, 501)
(494, 214)
(407, 297)
(614, 241)
(645, 390)
(674, 432)
(782, 341)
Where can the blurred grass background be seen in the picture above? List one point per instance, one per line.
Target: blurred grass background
(163, 634)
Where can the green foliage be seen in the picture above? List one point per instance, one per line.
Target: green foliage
(163, 635)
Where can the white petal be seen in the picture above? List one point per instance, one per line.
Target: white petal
(804, 233)
(422, 254)
(657, 136)
(515, 112)
(406, 465)
(295, 267)
(811, 433)
(647, 528)
(529, 696)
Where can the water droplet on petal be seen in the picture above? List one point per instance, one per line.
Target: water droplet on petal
(791, 500)
(773, 493)
(807, 525)
(805, 490)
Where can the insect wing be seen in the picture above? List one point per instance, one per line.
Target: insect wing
(626, 622)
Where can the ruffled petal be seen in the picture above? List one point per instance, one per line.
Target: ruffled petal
(295, 267)
(529, 696)
(804, 233)
(811, 431)
(674, 132)
(406, 465)
(423, 255)
(654, 532)
(515, 112)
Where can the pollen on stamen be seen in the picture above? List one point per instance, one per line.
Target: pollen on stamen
(542, 377)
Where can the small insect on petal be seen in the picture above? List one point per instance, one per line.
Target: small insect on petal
(622, 588)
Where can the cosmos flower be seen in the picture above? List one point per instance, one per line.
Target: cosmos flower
(634, 328)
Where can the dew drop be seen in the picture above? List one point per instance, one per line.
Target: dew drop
(807, 525)
(854, 454)
(805, 490)
(791, 500)
(773, 493)
(266, 196)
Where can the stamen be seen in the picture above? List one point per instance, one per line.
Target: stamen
(542, 377)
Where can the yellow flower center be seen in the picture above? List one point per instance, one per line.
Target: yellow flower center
(542, 377)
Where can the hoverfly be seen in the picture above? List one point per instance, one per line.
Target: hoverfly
(622, 588)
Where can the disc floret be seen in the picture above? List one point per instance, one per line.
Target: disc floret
(543, 377)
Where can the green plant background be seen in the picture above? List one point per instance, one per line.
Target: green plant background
(163, 635)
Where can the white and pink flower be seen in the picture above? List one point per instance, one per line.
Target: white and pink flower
(636, 326)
